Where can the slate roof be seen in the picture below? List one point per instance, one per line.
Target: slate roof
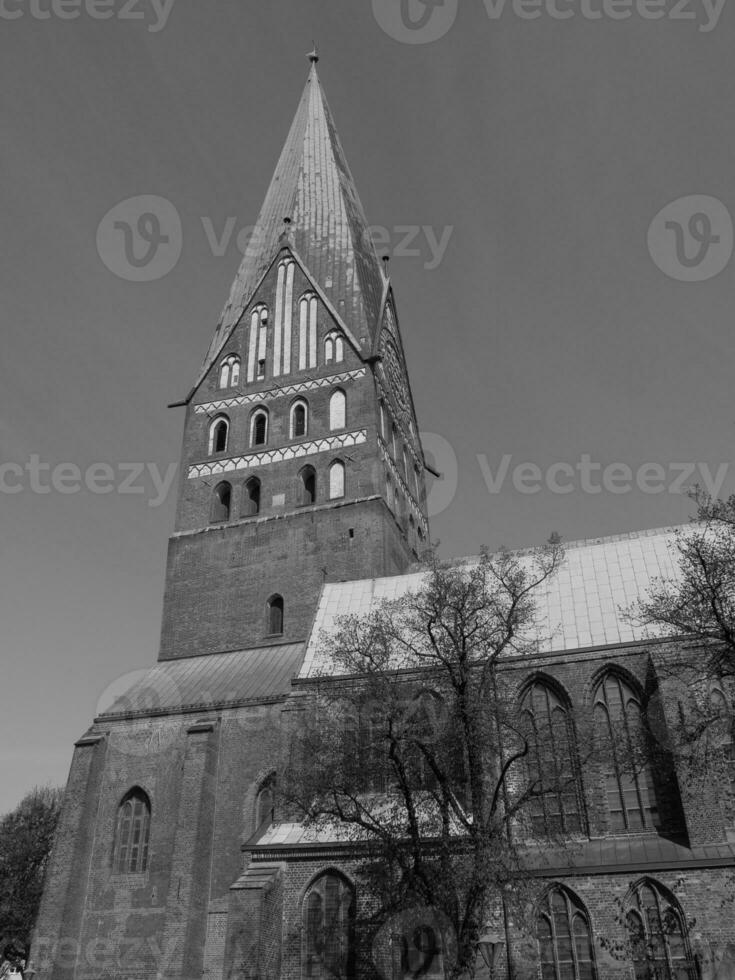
(312, 184)
(219, 679)
(581, 606)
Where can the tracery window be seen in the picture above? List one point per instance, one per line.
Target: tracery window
(658, 936)
(565, 938)
(552, 762)
(629, 786)
(132, 833)
(328, 917)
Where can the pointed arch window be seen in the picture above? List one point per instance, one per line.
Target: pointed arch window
(132, 833)
(337, 410)
(283, 318)
(258, 343)
(299, 419)
(336, 480)
(308, 308)
(251, 497)
(552, 762)
(265, 803)
(259, 428)
(723, 732)
(221, 501)
(275, 615)
(334, 348)
(658, 936)
(618, 712)
(229, 372)
(307, 486)
(565, 938)
(328, 927)
(219, 431)
(424, 713)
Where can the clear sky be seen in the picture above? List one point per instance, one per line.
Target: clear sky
(545, 332)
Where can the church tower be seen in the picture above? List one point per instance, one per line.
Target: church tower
(301, 460)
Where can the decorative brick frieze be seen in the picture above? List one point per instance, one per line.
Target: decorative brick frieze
(210, 408)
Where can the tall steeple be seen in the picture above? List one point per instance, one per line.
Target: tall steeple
(313, 187)
(301, 460)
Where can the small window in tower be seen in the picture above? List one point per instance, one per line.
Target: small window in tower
(251, 497)
(389, 492)
(299, 416)
(229, 374)
(338, 410)
(275, 615)
(339, 349)
(221, 500)
(259, 428)
(328, 350)
(218, 432)
(307, 486)
(336, 480)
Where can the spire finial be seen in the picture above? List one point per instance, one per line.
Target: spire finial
(313, 55)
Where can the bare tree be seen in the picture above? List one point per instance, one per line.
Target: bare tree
(413, 747)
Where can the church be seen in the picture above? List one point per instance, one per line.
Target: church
(302, 498)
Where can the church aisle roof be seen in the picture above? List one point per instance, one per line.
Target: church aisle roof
(313, 186)
(218, 679)
(581, 606)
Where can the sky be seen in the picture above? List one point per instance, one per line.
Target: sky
(553, 180)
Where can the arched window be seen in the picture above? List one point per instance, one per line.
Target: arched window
(218, 432)
(308, 308)
(339, 349)
(307, 486)
(299, 419)
(551, 761)
(283, 318)
(265, 803)
(251, 497)
(258, 346)
(565, 938)
(658, 936)
(259, 428)
(221, 500)
(723, 732)
(132, 833)
(338, 410)
(424, 714)
(229, 372)
(275, 615)
(334, 348)
(328, 917)
(336, 480)
(328, 348)
(631, 798)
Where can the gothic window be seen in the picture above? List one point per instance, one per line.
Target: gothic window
(283, 319)
(229, 372)
(565, 938)
(424, 713)
(307, 486)
(338, 410)
(334, 348)
(552, 763)
(723, 732)
(275, 615)
(629, 788)
(258, 347)
(221, 499)
(251, 497)
(336, 480)
(259, 428)
(328, 914)
(299, 419)
(658, 936)
(132, 833)
(218, 432)
(265, 803)
(307, 331)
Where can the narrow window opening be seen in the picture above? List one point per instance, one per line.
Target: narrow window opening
(275, 615)
(221, 500)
